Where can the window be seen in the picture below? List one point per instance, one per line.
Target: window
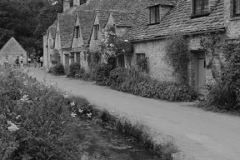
(154, 16)
(140, 56)
(200, 7)
(78, 57)
(236, 7)
(76, 32)
(96, 30)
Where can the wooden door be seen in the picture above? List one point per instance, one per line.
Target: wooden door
(201, 73)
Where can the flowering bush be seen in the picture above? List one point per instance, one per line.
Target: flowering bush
(113, 46)
(34, 120)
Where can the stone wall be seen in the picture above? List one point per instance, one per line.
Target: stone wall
(232, 22)
(155, 52)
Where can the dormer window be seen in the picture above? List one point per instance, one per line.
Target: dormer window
(76, 34)
(95, 32)
(200, 7)
(236, 7)
(154, 15)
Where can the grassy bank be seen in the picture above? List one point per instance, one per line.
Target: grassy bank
(38, 121)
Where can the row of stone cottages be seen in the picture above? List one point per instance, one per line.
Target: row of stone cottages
(147, 23)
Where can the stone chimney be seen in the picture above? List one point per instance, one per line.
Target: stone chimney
(76, 2)
(66, 5)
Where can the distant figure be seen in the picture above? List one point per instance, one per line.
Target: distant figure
(41, 61)
(17, 62)
(38, 61)
(29, 61)
(21, 61)
(35, 61)
(6, 62)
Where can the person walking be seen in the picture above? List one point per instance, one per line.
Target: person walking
(35, 61)
(17, 62)
(38, 61)
(41, 61)
(6, 62)
(29, 61)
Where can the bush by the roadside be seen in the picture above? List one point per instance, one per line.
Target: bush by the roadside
(35, 122)
(102, 74)
(57, 69)
(74, 69)
(123, 80)
(224, 96)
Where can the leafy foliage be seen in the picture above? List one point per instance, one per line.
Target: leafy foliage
(102, 74)
(57, 69)
(112, 46)
(135, 82)
(41, 127)
(224, 93)
(74, 69)
(178, 56)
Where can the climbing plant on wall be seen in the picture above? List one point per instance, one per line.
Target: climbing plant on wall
(178, 56)
(113, 46)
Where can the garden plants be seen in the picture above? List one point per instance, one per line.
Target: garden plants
(38, 121)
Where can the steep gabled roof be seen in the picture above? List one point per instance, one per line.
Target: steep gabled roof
(102, 17)
(179, 21)
(12, 46)
(123, 18)
(66, 25)
(86, 19)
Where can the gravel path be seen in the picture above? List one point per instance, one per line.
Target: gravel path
(198, 134)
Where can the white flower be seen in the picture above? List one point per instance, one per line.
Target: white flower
(111, 45)
(65, 96)
(72, 104)
(80, 110)
(73, 115)
(12, 127)
(89, 115)
(125, 40)
(18, 116)
(25, 83)
(24, 98)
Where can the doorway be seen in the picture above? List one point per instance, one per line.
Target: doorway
(200, 70)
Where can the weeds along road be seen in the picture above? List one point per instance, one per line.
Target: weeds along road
(198, 134)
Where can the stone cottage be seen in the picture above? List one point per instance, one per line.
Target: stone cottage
(148, 24)
(192, 18)
(11, 50)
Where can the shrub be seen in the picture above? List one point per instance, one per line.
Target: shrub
(102, 74)
(136, 83)
(117, 76)
(57, 69)
(74, 69)
(224, 95)
(34, 121)
(178, 56)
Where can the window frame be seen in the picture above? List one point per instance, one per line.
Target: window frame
(156, 14)
(140, 56)
(234, 8)
(203, 13)
(95, 31)
(77, 31)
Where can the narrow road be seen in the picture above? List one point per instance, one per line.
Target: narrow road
(200, 135)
